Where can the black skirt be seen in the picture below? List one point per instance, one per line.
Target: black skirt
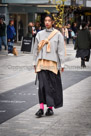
(83, 54)
(50, 89)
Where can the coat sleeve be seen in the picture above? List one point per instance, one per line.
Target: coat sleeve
(35, 50)
(61, 50)
(3, 26)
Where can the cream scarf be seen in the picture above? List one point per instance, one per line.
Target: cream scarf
(46, 41)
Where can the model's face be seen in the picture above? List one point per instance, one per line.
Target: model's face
(48, 22)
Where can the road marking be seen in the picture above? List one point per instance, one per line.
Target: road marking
(2, 111)
(33, 94)
(8, 101)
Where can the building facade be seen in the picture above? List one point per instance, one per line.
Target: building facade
(23, 12)
(85, 13)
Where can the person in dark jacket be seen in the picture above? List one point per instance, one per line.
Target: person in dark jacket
(2, 34)
(83, 44)
(10, 36)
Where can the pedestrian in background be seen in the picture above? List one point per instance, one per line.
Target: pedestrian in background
(38, 27)
(83, 45)
(65, 33)
(30, 31)
(69, 33)
(48, 49)
(74, 29)
(2, 34)
(10, 36)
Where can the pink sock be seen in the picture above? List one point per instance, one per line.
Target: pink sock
(42, 106)
(51, 108)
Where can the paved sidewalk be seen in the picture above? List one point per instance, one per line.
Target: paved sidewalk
(74, 119)
(17, 71)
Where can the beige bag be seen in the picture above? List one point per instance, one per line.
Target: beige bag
(15, 52)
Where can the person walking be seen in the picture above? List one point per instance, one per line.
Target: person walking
(69, 33)
(10, 36)
(48, 55)
(83, 45)
(2, 34)
(30, 31)
(74, 29)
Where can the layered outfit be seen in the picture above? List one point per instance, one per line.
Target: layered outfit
(48, 61)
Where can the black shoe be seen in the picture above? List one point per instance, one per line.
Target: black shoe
(49, 112)
(83, 64)
(39, 113)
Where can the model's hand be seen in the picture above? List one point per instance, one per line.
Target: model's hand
(62, 69)
(35, 68)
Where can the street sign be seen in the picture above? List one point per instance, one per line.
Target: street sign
(26, 44)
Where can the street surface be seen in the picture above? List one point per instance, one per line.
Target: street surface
(19, 98)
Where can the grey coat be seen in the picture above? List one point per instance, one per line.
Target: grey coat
(57, 48)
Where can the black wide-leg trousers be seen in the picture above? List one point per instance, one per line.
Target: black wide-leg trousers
(50, 89)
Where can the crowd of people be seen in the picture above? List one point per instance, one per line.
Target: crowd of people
(69, 31)
(8, 33)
